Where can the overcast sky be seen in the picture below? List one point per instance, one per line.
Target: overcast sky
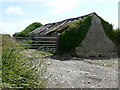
(16, 15)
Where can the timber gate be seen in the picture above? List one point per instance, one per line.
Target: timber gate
(49, 44)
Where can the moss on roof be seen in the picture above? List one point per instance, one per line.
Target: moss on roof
(67, 22)
(58, 29)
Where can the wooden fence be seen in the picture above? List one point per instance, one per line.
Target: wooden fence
(42, 43)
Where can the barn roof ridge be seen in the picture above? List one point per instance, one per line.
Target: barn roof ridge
(93, 13)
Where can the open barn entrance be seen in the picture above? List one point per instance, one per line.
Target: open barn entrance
(49, 44)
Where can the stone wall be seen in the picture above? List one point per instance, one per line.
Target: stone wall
(96, 43)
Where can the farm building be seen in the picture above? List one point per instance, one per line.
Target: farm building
(86, 36)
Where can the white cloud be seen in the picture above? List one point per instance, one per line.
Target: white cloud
(15, 10)
(50, 0)
(60, 6)
(100, 0)
(56, 0)
(22, 0)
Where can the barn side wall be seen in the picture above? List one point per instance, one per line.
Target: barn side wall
(96, 43)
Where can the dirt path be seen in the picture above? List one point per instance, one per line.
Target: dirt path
(79, 73)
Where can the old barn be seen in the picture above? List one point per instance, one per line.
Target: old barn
(86, 36)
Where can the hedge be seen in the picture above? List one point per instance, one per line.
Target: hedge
(27, 30)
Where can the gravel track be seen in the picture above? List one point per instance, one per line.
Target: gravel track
(78, 73)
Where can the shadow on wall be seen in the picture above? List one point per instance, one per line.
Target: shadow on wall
(71, 56)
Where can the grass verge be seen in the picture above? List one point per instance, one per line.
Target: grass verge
(16, 69)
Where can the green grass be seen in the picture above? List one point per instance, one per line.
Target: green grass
(45, 53)
(75, 34)
(16, 70)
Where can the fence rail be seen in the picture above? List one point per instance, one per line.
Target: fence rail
(41, 43)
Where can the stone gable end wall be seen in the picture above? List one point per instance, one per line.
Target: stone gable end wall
(96, 43)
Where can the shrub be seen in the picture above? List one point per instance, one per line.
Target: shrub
(108, 28)
(27, 30)
(75, 34)
(16, 71)
(117, 36)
